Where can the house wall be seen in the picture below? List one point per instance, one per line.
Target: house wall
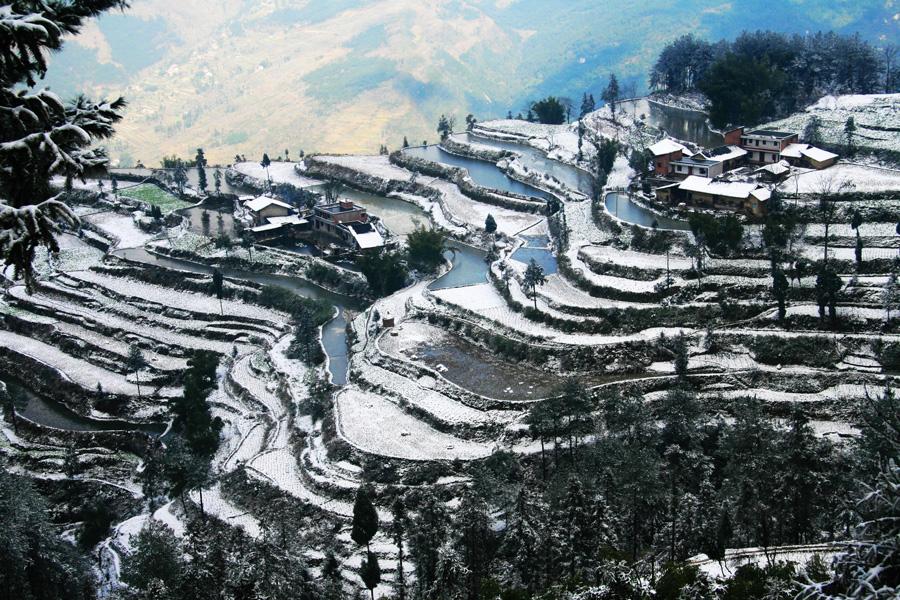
(662, 164)
(271, 211)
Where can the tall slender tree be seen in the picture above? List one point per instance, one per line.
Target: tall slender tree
(201, 171)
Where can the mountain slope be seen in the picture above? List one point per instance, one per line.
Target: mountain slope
(238, 76)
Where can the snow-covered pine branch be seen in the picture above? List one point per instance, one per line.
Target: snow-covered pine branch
(23, 229)
(40, 136)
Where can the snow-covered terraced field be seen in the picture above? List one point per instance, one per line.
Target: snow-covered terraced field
(80, 314)
(378, 426)
(81, 372)
(187, 301)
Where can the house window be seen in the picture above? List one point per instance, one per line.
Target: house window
(703, 171)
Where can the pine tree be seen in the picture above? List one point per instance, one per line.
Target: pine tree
(490, 225)
(534, 277)
(780, 291)
(611, 95)
(201, 170)
(135, 362)
(405, 142)
(265, 163)
(856, 222)
(365, 519)
(812, 133)
(889, 296)
(522, 542)
(40, 135)
(682, 356)
(428, 534)
(370, 572)
(474, 543)
(850, 136)
(398, 532)
(179, 176)
(114, 184)
(218, 288)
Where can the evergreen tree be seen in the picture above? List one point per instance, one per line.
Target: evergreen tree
(135, 362)
(587, 105)
(370, 572)
(218, 287)
(200, 159)
(398, 532)
(474, 543)
(156, 561)
(40, 135)
(889, 296)
(780, 291)
(534, 277)
(549, 110)
(265, 163)
(217, 181)
(305, 344)
(850, 136)
(365, 519)
(405, 142)
(828, 286)
(427, 536)
(682, 356)
(490, 225)
(612, 94)
(812, 133)
(179, 176)
(521, 543)
(856, 222)
(224, 242)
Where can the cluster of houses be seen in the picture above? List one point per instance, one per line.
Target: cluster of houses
(732, 176)
(343, 222)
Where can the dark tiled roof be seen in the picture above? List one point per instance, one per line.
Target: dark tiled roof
(771, 133)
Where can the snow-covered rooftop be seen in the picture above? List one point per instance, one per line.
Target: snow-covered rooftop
(724, 153)
(257, 204)
(731, 189)
(794, 150)
(288, 220)
(667, 146)
(369, 239)
(818, 154)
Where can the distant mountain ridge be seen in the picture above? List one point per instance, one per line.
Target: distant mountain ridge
(238, 76)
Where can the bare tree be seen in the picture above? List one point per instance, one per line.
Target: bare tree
(828, 187)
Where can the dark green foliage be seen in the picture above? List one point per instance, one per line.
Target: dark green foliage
(385, 270)
(611, 94)
(274, 296)
(534, 277)
(722, 236)
(365, 519)
(200, 161)
(780, 290)
(445, 126)
(681, 356)
(490, 225)
(305, 345)
(370, 572)
(157, 559)
(549, 110)
(37, 563)
(763, 75)
(801, 350)
(751, 582)
(425, 248)
(828, 286)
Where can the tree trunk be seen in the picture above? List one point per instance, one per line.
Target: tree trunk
(544, 458)
(202, 509)
(137, 380)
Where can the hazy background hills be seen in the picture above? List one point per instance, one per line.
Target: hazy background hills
(247, 76)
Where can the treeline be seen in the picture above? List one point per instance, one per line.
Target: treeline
(764, 75)
(617, 499)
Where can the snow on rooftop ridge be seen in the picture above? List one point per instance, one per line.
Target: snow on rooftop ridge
(667, 146)
(818, 154)
(732, 189)
(261, 202)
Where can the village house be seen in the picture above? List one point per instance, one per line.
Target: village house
(764, 146)
(349, 223)
(263, 208)
(702, 192)
(709, 163)
(664, 152)
(804, 155)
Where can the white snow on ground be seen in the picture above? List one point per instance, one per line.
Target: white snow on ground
(187, 301)
(854, 313)
(877, 118)
(378, 426)
(279, 172)
(216, 505)
(864, 179)
(122, 227)
(844, 391)
(761, 557)
(130, 326)
(75, 369)
(842, 253)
